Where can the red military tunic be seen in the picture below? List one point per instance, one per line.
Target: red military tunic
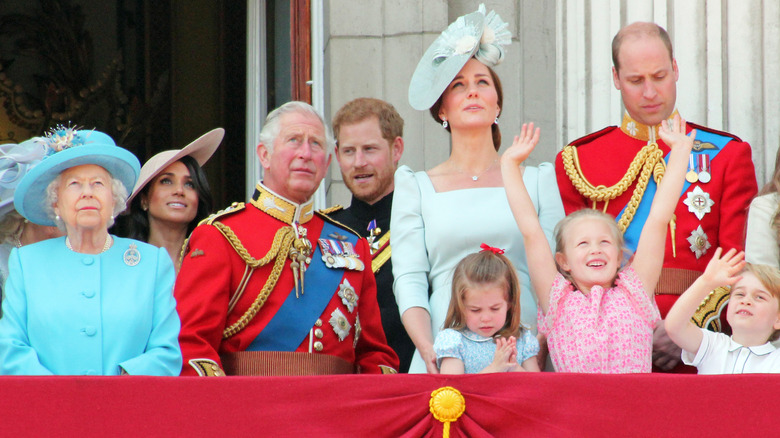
(605, 157)
(213, 271)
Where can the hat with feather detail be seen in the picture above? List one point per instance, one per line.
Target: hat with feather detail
(68, 147)
(477, 35)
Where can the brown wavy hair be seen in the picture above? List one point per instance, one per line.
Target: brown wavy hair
(482, 269)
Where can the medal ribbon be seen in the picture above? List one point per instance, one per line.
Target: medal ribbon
(634, 229)
(292, 322)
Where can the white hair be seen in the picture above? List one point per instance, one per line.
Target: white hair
(118, 192)
(271, 127)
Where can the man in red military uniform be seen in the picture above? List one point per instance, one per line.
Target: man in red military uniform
(615, 169)
(273, 288)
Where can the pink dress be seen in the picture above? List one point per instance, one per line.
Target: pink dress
(608, 331)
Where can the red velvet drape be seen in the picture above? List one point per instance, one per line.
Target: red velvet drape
(538, 404)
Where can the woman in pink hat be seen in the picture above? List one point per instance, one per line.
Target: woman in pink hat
(172, 195)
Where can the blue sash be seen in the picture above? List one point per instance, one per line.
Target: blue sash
(292, 322)
(635, 227)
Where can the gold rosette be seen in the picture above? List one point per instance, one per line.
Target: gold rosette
(447, 405)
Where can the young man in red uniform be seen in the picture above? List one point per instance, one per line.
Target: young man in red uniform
(273, 288)
(615, 170)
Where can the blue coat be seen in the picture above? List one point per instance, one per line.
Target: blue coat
(71, 313)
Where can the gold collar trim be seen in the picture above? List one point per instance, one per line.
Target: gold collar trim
(647, 133)
(280, 207)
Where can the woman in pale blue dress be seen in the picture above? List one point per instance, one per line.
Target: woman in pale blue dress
(445, 213)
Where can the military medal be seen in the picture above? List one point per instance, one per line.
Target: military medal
(704, 168)
(698, 202)
(131, 256)
(692, 176)
(338, 254)
(373, 233)
(699, 242)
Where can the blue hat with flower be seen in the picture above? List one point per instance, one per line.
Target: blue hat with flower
(67, 147)
(479, 35)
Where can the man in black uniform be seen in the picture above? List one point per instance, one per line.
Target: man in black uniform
(369, 144)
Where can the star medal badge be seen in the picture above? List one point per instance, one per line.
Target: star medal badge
(692, 176)
(699, 202)
(132, 256)
(699, 242)
(348, 296)
(704, 168)
(340, 324)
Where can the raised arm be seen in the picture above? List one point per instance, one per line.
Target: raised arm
(541, 264)
(721, 271)
(649, 256)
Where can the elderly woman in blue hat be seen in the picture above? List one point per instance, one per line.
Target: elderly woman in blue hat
(449, 210)
(86, 303)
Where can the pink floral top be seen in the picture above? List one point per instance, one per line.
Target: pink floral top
(608, 331)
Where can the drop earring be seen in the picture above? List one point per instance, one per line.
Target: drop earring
(496, 121)
(444, 124)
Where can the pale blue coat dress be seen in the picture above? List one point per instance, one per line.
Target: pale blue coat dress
(432, 232)
(81, 314)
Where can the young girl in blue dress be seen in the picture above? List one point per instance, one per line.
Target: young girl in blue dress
(482, 332)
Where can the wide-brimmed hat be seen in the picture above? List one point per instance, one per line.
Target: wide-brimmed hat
(477, 35)
(66, 148)
(15, 161)
(201, 150)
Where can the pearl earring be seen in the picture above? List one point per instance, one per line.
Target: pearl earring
(57, 217)
(496, 121)
(444, 124)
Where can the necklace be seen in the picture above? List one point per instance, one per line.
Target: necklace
(109, 242)
(477, 177)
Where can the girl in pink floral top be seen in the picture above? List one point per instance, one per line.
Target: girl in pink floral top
(597, 316)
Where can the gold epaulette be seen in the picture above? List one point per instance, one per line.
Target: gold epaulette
(324, 214)
(233, 208)
(707, 315)
(333, 209)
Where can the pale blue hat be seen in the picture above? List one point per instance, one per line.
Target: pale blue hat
(478, 34)
(15, 161)
(66, 148)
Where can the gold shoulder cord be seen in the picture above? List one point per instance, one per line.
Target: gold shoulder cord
(649, 160)
(279, 250)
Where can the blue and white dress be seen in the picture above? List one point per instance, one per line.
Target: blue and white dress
(477, 351)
